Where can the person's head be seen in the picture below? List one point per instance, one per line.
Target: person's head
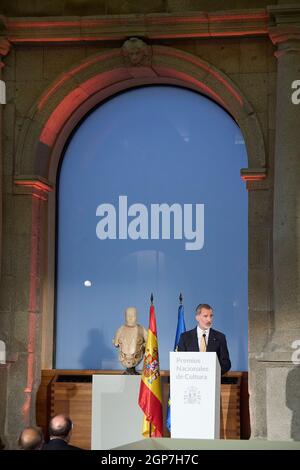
(60, 426)
(130, 316)
(31, 438)
(204, 316)
(136, 50)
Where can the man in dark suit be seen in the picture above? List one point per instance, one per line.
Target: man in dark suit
(203, 338)
(60, 431)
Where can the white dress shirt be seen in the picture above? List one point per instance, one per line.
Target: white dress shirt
(200, 333)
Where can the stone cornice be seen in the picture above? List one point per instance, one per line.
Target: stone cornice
(284, 23)
(149, 26)
(34, 186)
(253, 174)
(255, 178)
(284, 14)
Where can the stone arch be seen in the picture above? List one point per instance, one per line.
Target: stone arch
(53, 117)
(69, 98)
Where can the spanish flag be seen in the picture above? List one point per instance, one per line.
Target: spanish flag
(150, 398)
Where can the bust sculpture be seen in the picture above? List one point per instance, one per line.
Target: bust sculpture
(130, 338)
(136, 52)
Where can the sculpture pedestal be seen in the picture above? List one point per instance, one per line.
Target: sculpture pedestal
(116, 416)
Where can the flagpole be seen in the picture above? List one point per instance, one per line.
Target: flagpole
(179, 330)
(151, 303)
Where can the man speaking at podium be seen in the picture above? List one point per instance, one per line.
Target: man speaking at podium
(203, 338)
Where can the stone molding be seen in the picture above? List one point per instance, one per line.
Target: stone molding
(255, 178)
(32, 186)
(284, 23)
(99, 76)
(150, 26)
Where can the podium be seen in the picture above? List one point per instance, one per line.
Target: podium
(195, 385)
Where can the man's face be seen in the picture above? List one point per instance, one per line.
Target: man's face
(204, 318)
(130, 316)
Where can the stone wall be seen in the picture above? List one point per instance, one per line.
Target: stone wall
(117, 7)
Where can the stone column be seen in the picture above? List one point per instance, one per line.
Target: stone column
(282, 374)
(286, 224)
(29, 234)
(4, 49)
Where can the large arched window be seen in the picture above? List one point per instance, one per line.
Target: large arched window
(150, 200)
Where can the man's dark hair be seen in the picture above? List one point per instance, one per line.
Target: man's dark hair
(206, 306)
(31, 438)
(60, 431)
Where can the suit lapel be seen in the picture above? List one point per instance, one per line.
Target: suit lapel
(212, 343)
(195, 344)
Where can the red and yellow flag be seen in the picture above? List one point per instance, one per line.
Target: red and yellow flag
(150, 398)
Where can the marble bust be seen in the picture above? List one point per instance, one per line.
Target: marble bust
(130, 338)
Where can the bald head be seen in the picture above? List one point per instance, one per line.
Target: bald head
(31, 438)
(60, 426)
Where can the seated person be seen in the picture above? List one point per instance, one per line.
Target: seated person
(31, 438)
(60, 432)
